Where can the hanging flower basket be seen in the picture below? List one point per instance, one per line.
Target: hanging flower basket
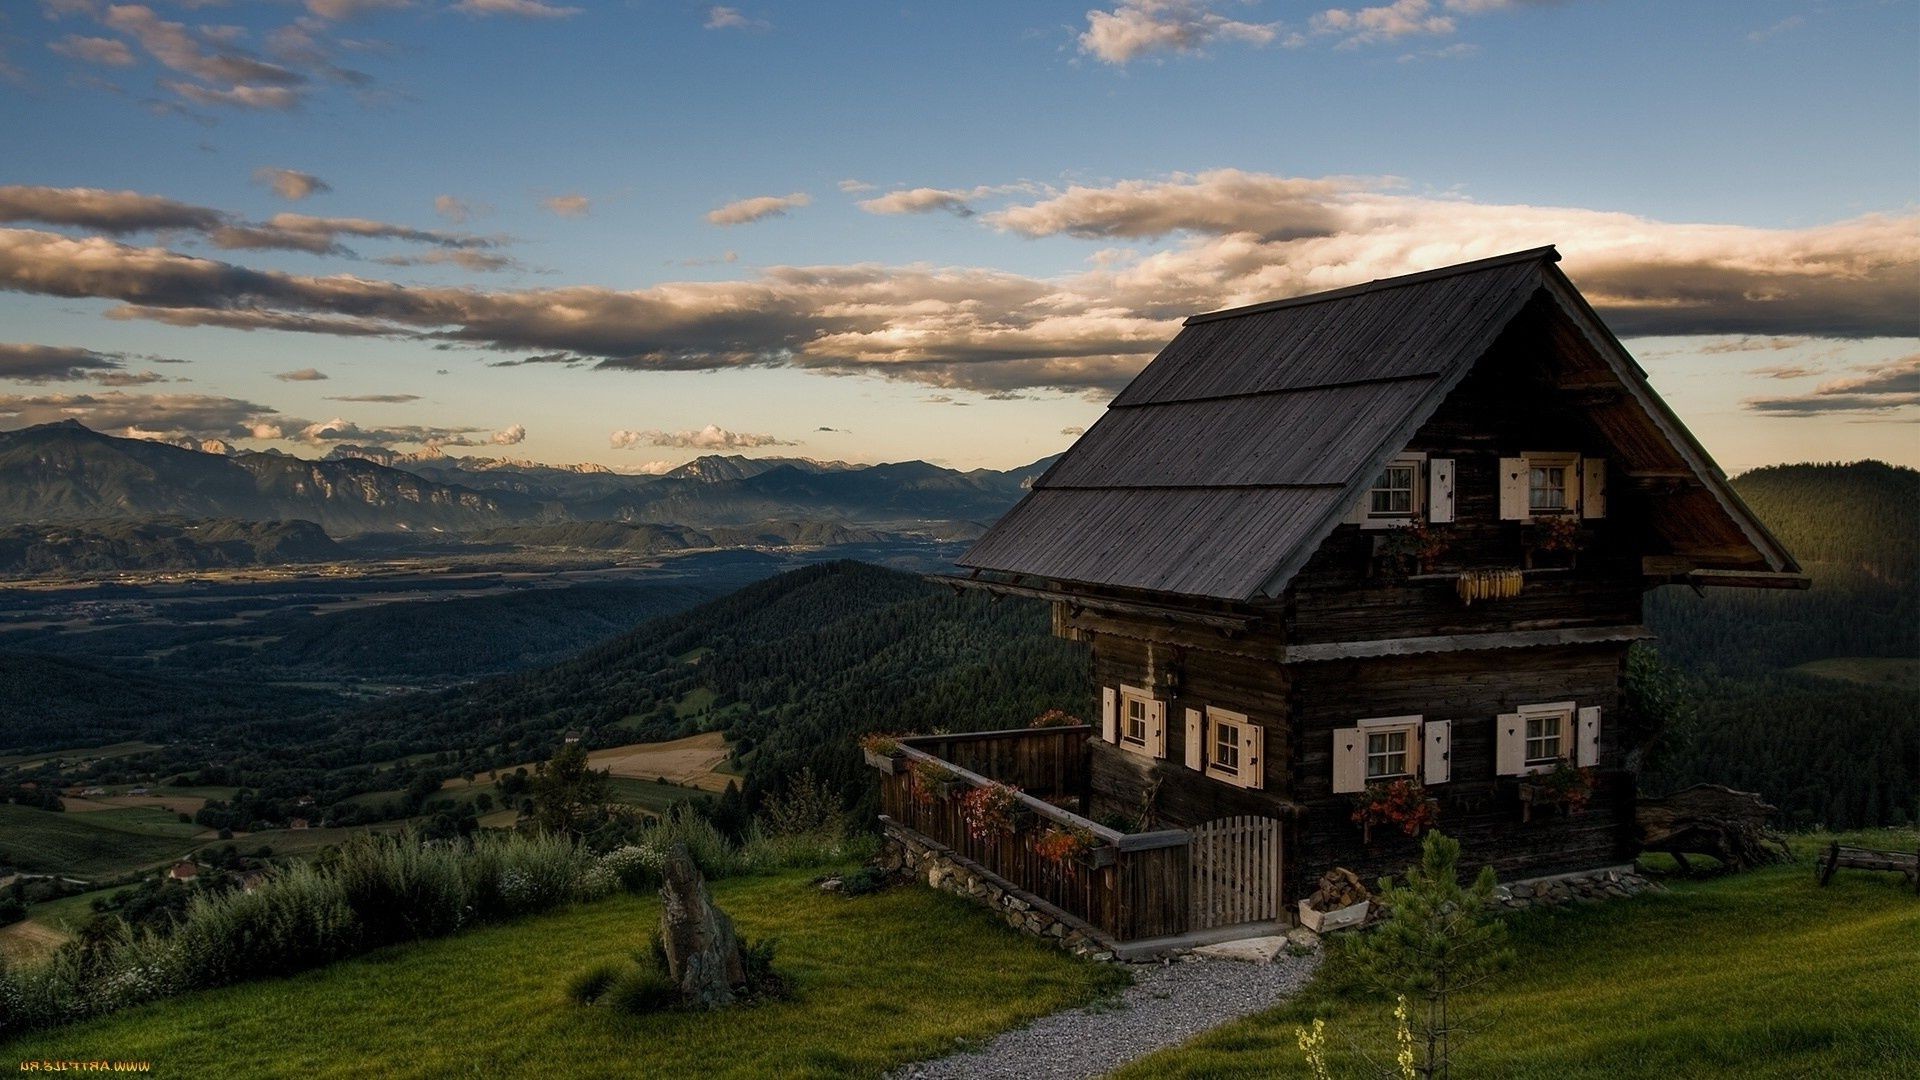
(993, 810)
(1399, 804)
(1563, 787)
(882, 752)
(1073, 842)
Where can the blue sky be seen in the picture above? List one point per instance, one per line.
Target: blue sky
(1047, 187)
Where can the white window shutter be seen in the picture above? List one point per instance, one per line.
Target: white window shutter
(1436, 745)
(1593, 488)
(1349, 761)
(1589, 738)
(1253, 758)
(1358, 515)
(1440, 489)
(1196, 759)
(1510, 745)
(1157, 728)
(1109, 714)
(1513, 489)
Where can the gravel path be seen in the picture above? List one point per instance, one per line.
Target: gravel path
(1166, 1006)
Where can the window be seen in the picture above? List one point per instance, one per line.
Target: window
(1232, 748)
(1547, 488)
(1387, 755)
(1134, 728)
(1543, 739)
(1393, 492)
(1394, 499)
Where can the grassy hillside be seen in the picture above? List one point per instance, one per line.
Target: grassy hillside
(879, 981)
(1764, 975)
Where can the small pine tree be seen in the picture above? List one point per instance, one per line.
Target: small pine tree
(569, 797)
(1438, 940)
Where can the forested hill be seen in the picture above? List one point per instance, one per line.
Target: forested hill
(792, 668)
(1812, 698)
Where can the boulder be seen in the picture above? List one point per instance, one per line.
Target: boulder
(703, 952)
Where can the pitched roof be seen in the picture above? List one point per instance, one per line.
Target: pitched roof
(1231, 456)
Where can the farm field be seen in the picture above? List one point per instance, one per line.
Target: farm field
(1761, 975)
(696, 761)
(859, 1007)
(1867, 670)
(104, 843)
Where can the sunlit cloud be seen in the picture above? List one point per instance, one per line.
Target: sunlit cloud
(568, 205)
(1874, 389)
(526, 9)
(302, 375)
(729, 18)
(711, 437)
(1139, 28)
(290, 184)
(743, 211)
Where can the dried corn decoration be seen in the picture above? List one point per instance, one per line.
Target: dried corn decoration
(1487, 585)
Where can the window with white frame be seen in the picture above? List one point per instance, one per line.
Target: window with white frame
(1133, 719)
(1547, 733)
(1553, 483)
(1387, 754)
(1231, 750)
(1396, 492)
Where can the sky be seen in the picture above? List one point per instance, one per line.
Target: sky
(634, 231)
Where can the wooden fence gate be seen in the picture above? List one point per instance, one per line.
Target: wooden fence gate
(1236, 872)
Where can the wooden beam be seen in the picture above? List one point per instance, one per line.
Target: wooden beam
(1082, 602)
(1745, 579)
(1511, 639)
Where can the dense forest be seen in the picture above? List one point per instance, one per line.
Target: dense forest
(1812, 698)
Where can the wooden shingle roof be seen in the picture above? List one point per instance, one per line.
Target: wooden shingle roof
(1231, 456)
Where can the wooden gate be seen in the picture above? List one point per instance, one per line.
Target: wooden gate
(1236, 872)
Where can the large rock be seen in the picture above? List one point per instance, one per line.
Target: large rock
(703, 952)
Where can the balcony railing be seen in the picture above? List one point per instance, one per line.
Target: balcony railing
(1130, 886)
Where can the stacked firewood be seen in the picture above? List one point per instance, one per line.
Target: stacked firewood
(1339, 888)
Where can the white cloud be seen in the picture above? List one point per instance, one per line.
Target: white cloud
(108, 52)
(568, 205)
(743, 211)
(302, 375)
(711, 437)
(728, 18)
(1138, 28)
(527, 9)
(510, 436)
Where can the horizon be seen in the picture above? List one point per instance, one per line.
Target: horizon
(927, 234)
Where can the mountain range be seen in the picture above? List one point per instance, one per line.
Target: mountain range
(66, 472)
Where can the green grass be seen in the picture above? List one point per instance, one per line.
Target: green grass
(651, 795)
(76, 754)
(880, 981)
(697, 700)
(1896, 671)
(98, 844)
(1760, 975)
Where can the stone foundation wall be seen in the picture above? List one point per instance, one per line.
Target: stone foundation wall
(1565, 889)
(908, 852)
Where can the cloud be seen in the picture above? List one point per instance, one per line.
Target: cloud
(568, 205)
(854, 187)
(1787, 371)
(115, 212)
(1222, 238)
(1386, 22)
(1878, 388)
(141, 415)
(1073, 431)
(350, 9)
(1791, 22)
(54, 363)
(107, 52)
(742, 211)
(528, 9)
(479, 261)
(379, 399)
(455, 210)
(1751, 343)
(711, 437)
(302, 375)
(726, 18)
(225, 74)
(920, 201)
(1140, 28)
(290, 184)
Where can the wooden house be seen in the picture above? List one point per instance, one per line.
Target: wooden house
(1398, 532)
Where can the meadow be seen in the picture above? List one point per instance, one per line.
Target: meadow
(1762, 975)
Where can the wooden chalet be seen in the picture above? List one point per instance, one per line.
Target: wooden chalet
(1393, 532)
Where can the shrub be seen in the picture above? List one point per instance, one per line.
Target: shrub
(301, 919)
(867, 879)
(763, 982)
(710, 849)
(640, 989)
(592, 984)
(401, 889)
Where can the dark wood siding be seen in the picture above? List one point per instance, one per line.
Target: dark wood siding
(1477, 808)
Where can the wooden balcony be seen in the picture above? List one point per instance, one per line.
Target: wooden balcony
(1131, 887)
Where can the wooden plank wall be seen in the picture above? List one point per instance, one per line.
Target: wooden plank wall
(1048, 763)
(1478, 808)
(1237, 875)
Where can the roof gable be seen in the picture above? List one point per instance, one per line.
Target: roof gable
(1226, 462)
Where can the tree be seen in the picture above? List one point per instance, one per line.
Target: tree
(1438, 940)
(568, 796)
